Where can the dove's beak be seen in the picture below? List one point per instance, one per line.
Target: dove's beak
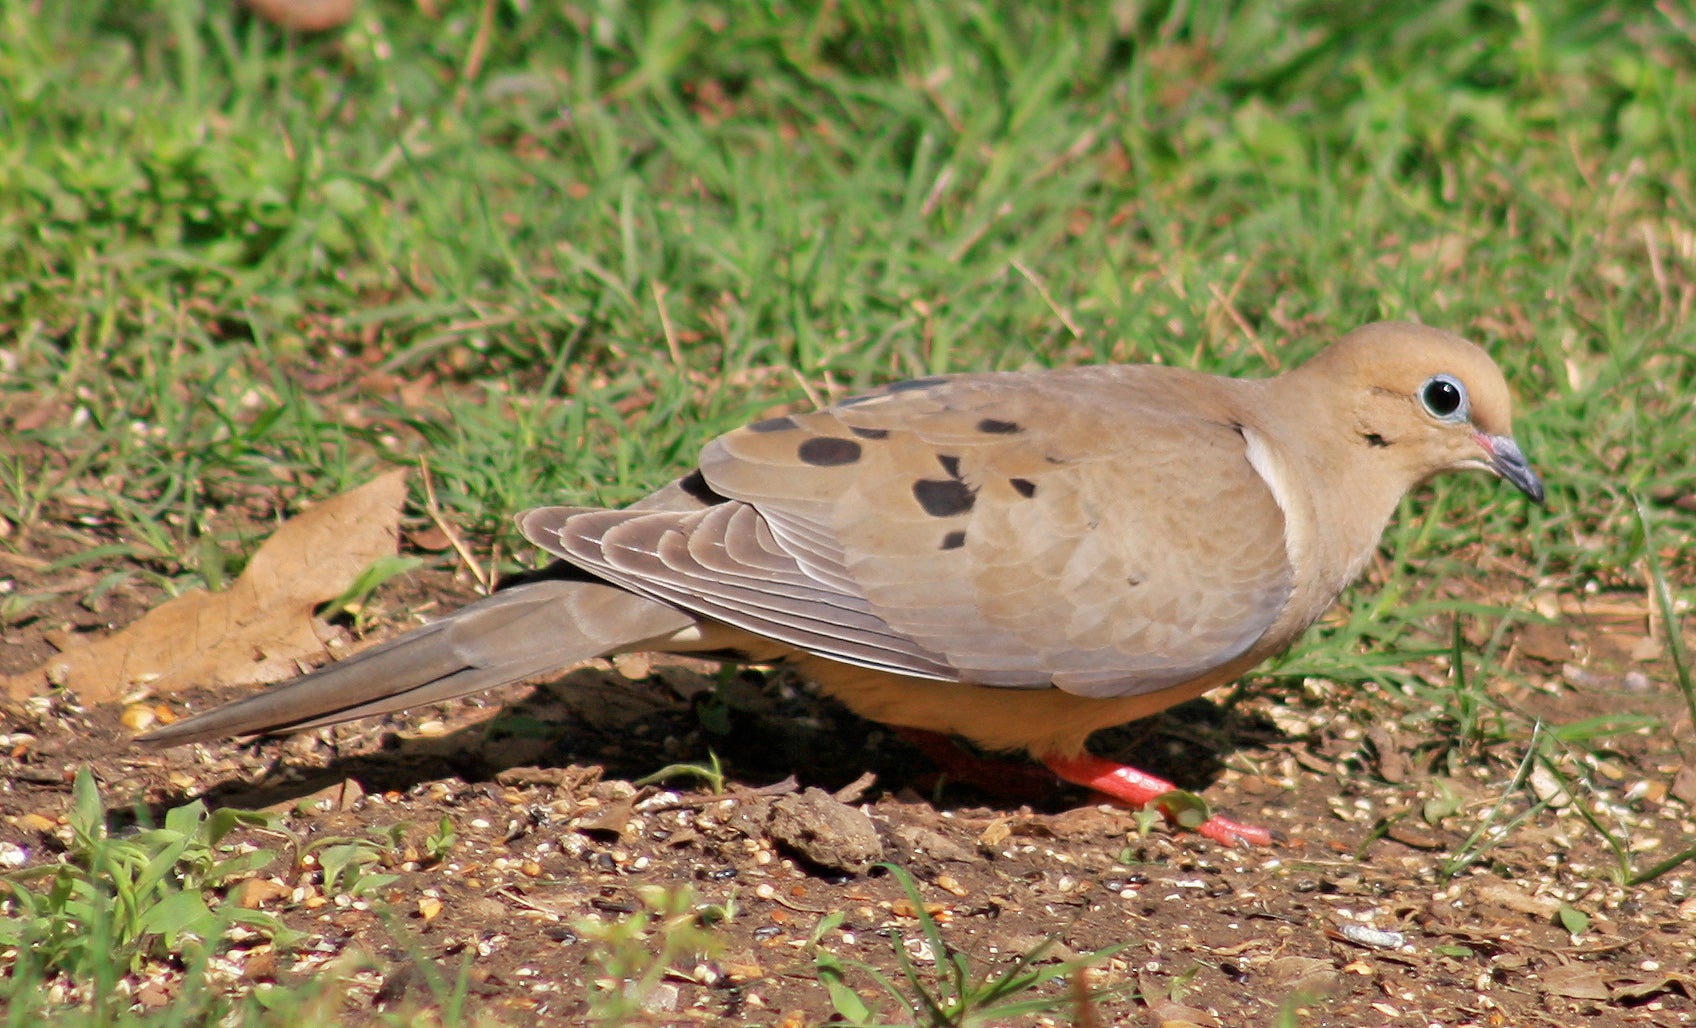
(1506, 459)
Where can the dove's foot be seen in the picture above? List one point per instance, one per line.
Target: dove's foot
(1140, 789)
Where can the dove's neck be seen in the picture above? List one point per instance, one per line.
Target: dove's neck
(1336, 499)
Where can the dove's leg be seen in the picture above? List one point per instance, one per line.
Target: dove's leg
(1025, 782)
(995, 776)
(1140, 789)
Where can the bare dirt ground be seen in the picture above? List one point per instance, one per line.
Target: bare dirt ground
(1348, 922)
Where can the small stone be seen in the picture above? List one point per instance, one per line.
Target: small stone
(1684, 785)
(931, 843)
(139, 717)
(662, 998)
(1549, 788)
(37, 823)
(1647, 649)
(827, 833)
(634, 666)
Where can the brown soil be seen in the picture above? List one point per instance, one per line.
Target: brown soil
(1349, 922)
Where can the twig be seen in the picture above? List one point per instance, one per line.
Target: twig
(813, 396)
(1042, 291)
(852, 792)
(666, 327)
(479, 50)
(434, 509)
(783, 788)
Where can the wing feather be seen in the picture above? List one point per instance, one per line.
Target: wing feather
(1018, 530)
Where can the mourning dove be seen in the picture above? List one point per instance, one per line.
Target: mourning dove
(1017, 559)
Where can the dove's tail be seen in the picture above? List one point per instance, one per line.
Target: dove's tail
(549, 622)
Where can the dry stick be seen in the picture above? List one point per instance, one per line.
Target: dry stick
(1042, 291)
(813, 396)
(479, 50)
(665, 326)
(431, 507)
(1230, 308)
(1656, 270)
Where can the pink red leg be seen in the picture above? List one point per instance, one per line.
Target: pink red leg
(1139, 789)
(1025, 783)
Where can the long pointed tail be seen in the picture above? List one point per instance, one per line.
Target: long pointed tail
(548, 623)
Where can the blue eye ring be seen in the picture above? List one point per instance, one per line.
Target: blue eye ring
(1444, 398)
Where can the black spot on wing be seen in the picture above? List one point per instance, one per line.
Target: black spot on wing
(828, 451)
(869, 433)
(773, 425)
(1375, 440)
(954, 540)
(943, 498)
(996, 426)
(1024, 486)
(916, 383)
(950, 464)
(695, 484)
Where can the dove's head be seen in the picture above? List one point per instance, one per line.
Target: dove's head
(1426, 401)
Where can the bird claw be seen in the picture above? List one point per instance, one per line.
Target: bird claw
(1235, 834)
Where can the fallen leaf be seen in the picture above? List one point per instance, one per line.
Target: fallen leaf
(254, 893)
(1176, 1015)
(1505, 894)
(1575, 981)
(610, 819)
(254, 631)
(1393, 763)
(1306, 975)
(1633, 990)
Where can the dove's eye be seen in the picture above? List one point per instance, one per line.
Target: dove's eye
(1444, 397)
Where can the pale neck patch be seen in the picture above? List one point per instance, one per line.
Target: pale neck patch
(1296, 508)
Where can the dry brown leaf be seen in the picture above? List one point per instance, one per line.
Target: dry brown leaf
(1307, 975)
(252, 632)
(1575, 981)
(1632, 990)
(1168, 1014)
(1513, 897)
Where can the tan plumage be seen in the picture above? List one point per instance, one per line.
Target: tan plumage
(1019, 559)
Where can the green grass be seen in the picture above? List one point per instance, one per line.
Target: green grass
(959, 994)
(240, 270)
